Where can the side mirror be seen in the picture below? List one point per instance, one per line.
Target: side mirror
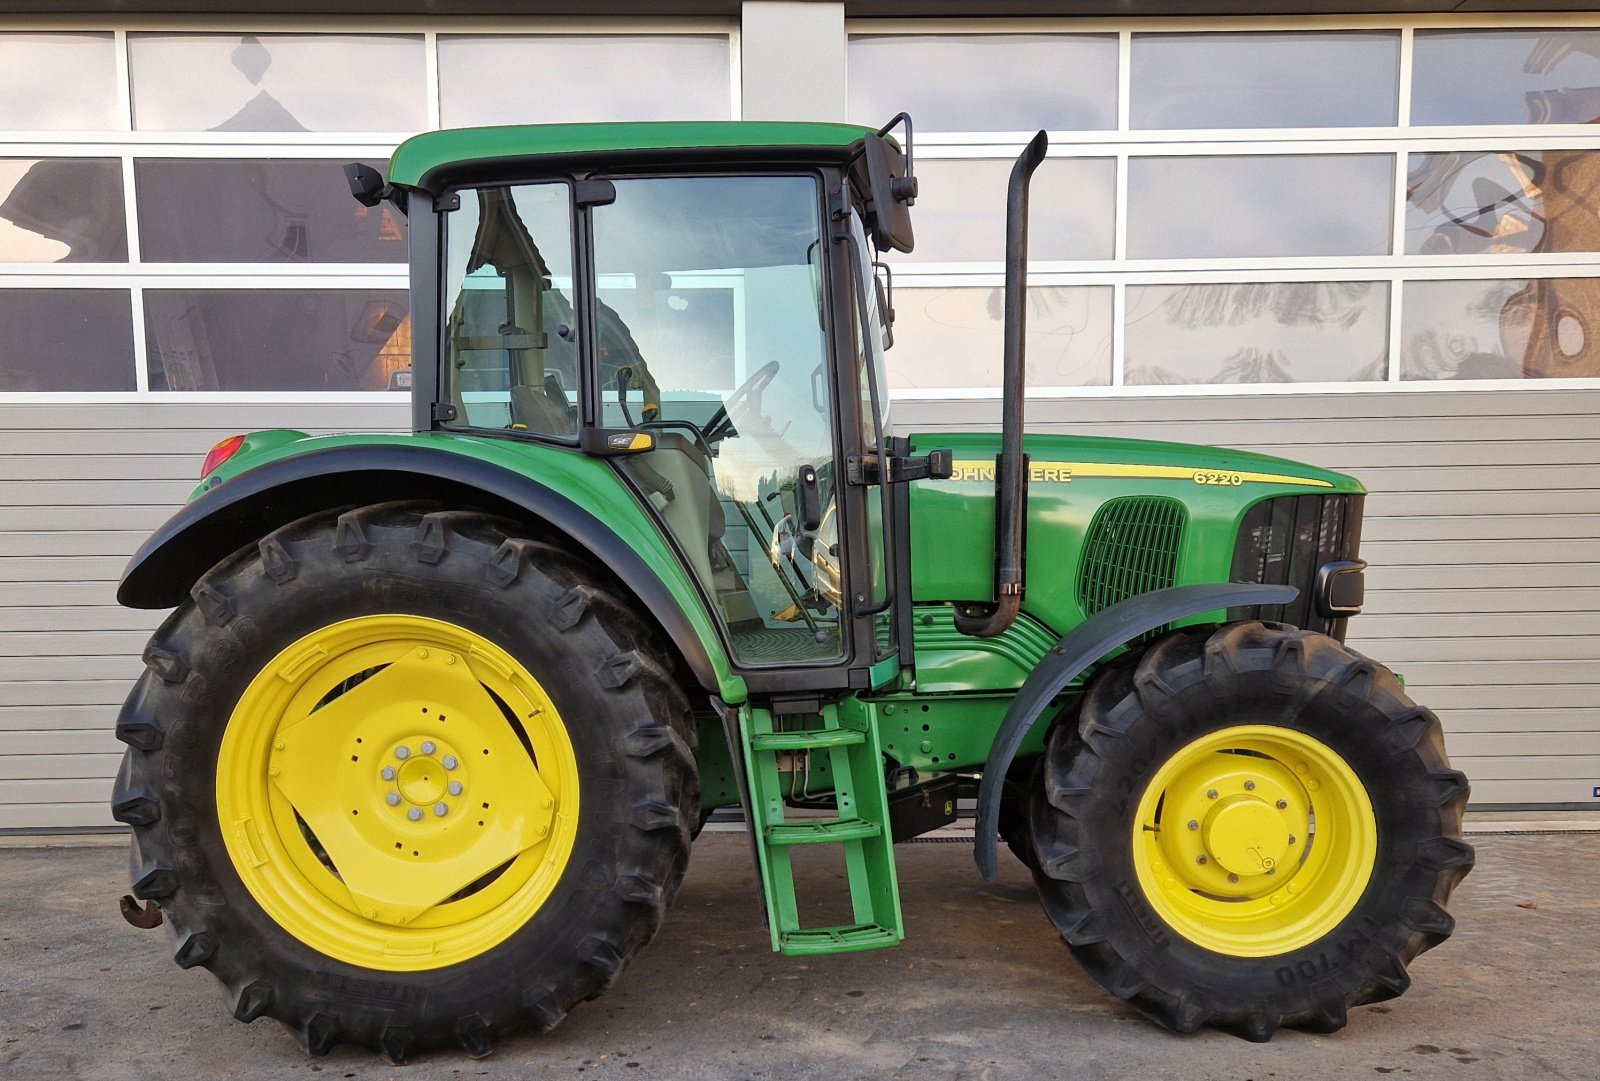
(892, 193)
(885, 284)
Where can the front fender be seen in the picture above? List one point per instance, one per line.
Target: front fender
(253, 503)
(1070, 657)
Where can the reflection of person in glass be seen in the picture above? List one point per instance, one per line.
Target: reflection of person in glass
(262, 112)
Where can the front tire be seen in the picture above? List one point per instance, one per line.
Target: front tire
(402, 778)
(1250, 826)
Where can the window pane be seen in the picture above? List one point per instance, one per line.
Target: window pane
(1506, 329)
(1506, 77)
(277, 82)
(953, 337)
(277, 339)
(508, 275)
(486, 80)
(1265, 80)
(961, 209)
(1258, 332)
(1503, 202)
(62, 210)
(713, 297)
(1249, 206)
(66, 339)
(217, 210)
(58, 82)
(986, 82)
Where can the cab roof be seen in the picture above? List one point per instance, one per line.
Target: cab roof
(419, 160)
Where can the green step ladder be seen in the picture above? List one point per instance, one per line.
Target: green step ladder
(860, 824)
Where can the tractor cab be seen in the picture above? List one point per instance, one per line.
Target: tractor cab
(714, 326)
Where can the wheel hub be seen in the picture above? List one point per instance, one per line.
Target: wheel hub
(429, 780)
(1247, 836)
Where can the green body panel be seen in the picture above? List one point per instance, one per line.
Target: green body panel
(422, 155)
(1062, 500)
(590, 482)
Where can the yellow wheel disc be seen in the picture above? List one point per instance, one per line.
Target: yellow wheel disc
(1254, 840)
(397, 792)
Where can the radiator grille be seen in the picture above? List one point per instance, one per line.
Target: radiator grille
(1284, 541)
(1132, 548)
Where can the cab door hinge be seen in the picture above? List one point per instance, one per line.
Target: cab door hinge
(444, 411)
(868, 468)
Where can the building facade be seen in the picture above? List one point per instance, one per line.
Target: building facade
(1367, 241)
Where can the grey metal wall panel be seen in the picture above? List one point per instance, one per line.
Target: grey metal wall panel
(81, 488)
(1483, 529)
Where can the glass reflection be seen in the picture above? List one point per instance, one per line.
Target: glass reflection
(961, 209)
(218, 210)
(66, 339)
(1257, 332)
(62, 210)
(1503, 202)
(1265, 80)
(58, 82)
(277, 82)
(1259, 206)
(1506, 77)
(1510, 328)
(583, 78)
(952, 337)
(278, 339)
(986, 82)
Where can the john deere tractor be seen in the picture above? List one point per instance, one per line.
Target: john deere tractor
(418, 756)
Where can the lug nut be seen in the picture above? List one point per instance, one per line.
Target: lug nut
(428, 746)
(388, 773)
(1233, 878)
(450, 761)
(1211, 793)
(455, 788)
(1291, 838)
(402, 752)
(441, 809)
(1249, 786)
(1193, 824)
(415, 814)
(1283, 805)
(1272, 870)
(1200, 859)
(393, 798)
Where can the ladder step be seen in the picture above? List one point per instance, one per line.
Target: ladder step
(847, 939)
(807, 741)
(823, 831)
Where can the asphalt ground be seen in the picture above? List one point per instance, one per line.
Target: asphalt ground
(983, 988)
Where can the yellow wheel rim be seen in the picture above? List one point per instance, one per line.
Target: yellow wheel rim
(397, 792)
(1254, 840)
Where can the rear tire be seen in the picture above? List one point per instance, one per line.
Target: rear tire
(504, 900)
(1251, 826)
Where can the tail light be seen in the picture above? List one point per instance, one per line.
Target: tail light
(220, 453)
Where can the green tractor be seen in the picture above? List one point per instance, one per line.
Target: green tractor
(418, 758)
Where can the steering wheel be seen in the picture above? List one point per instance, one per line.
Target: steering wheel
(747, 396)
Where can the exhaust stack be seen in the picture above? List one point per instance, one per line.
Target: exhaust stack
(1011, 467)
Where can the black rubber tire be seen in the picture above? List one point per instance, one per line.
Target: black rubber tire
(1016, 794)
(628, 721)
(1135, 715)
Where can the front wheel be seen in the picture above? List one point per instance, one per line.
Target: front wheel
(401, 778)
(1251, 826)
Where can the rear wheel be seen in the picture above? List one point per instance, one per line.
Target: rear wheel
(404, 779)
(1251, 826)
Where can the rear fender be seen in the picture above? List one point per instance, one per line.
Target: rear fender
(253, 503)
